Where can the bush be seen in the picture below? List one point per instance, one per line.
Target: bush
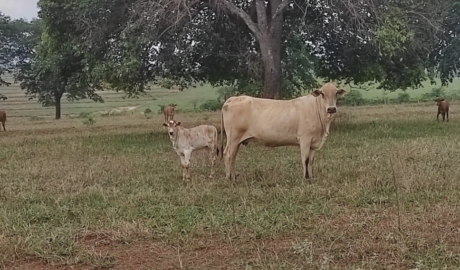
(353, 98)
(211, 105)
(89, 121)
(435, 93)
(84, 115)
(166, 83)
(403, 98)
(147, 111)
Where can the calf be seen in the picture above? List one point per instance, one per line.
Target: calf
(443, 108)
(169, 112)
(187, 140)
(3, 119)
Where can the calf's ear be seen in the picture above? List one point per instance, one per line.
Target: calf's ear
(164, 124)
(316, 93)
(341, 92)
(177, 124)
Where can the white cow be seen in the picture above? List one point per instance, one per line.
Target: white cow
(303, 121)
(187, 140)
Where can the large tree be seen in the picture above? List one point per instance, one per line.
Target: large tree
(255, 40)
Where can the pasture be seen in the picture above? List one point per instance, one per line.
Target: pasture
(385, 195)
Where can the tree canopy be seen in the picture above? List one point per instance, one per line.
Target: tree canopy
(58, 68)
(17, 39)
(279, 45)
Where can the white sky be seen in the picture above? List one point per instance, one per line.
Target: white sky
(18, 9)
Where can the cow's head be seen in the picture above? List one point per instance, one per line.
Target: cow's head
(329, 94)
(438, 101)
(172, 128)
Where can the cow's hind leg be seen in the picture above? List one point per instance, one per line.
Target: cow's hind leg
(187, 155)
(3, 124)
(213, 156)
(447, 115)
(443, 116)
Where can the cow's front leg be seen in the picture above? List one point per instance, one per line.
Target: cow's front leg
(187, 154)
(305, 153)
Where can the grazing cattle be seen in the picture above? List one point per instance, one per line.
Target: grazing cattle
(443, 109)
(187, 140)
(303, 121)
(3, 119)
(169, 112)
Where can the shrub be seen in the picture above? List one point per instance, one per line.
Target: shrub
(147, 111)
(211, 105)
(89, 121)
(403, 98)
(353, 98)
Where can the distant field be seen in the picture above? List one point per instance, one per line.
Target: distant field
(373, 93)
(18, 105)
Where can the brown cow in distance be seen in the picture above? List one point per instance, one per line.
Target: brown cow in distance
(169, 112)
(443, 109)
(3, 119)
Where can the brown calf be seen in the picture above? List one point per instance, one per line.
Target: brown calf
(169, 112)
(443, 108)
(3, 119)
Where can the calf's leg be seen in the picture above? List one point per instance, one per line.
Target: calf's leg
(187, 155)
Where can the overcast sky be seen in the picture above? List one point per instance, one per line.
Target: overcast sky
(17, 9)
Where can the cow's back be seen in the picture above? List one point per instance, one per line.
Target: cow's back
(198, 137)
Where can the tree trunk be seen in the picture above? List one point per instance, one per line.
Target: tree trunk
(271, 57)
(270, 47)
(57, 101)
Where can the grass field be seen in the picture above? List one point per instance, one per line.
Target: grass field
(386, 195)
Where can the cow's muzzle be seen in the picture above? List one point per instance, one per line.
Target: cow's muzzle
(331, 110)
(171, 133)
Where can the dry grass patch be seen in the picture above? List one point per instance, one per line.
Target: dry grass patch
(110, 195)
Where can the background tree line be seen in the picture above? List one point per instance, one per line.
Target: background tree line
(272, 49)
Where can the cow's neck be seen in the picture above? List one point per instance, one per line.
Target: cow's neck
(175, 141)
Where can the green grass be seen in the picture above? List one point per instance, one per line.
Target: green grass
(65, 188)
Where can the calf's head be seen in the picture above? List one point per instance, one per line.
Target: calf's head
(172, 128)
(329, 93)
(438, 101)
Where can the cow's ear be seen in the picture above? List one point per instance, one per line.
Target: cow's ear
(316, 93)
(341, 92)
(442, 99)
(164, 124)
(177, 124)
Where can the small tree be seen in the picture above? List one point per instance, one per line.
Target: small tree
(57, 68)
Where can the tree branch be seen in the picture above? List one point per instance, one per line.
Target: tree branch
(280, 8)
(242, 14)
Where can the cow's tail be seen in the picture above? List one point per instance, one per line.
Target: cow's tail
(221, 134)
